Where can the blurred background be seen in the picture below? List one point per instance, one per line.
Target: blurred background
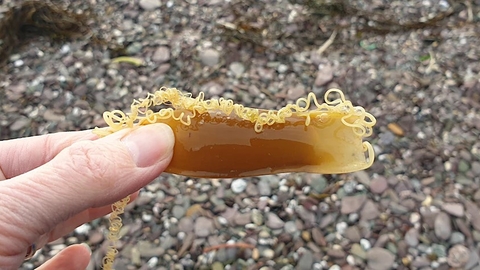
(413, 64)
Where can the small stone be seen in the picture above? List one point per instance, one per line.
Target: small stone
(238, 185)
(306, 236)
(420, 262)
(476, 168)
(203, 227)
(473, 210)
(353, 234)
(362, 177)
(380, 259)
(352, 204)
(268, 253)
(146, 249)
(369, 211)
(243, 219)
(274, 222)
(185, 224)
(237, 69)
(134, 48)
(411, 237)
(161, 54)
(457, 238)
(217, 266)
(318, 237)
(95, 237)
(290, 227)
(306, 260)
(319, 184)
(458, 256)
(366, 245)
(443, 226)
(439, 250)
(341, 227)
(209, 57)
(358, 251)
(324, 75)
(200, 198)
(463, 166)
(378, 185)
(454, 209)
(296, 92)
(149, 4)
(178, 211)
(252, 190)
(282, 68)
(213, 88)
(20, 123)
(257, 217)
(264, 187)
(336, 253)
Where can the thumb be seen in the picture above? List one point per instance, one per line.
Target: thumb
(74, 257)
(90, 174)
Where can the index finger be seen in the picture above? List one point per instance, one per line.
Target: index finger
(21, 155)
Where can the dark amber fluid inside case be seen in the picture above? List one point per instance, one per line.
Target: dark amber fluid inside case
(218, 146)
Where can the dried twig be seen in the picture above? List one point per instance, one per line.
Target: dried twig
(327, 43)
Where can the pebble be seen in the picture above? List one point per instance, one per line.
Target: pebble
(257, 217)
(274, 222)
(217, 266)
(473, 210)
(319, 184)
(149, 4)
(380, 259)
(352, 204)
(133, 49)
(203, 227)
(443, 226)
(457, 238)
(20, 123)
(324, 75)
(213, 88)
(268, 253)
(378, 185)
(296, 92)
(306, 260)
(290, 227)
(463, 166)
(458, 256)
(454, 209)
(353, 234)
(209, 57)
(358, 251)
(366, 245)
(476, 168)
(264, 188)
(243, 219)
(318, 237)
(411, 237)
(369, 211)
(239, 185)
(161, 54)
(95, 237)
(237, 69)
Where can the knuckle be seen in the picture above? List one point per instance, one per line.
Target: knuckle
(99, 164)
(88, 159)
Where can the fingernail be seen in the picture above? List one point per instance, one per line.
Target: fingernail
(88, 247)
(150, 144)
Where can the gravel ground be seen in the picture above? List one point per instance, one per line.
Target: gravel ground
(416, 208)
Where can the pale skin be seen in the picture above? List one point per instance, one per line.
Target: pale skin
(51, 184)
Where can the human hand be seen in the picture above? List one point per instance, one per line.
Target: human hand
(54, 183)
